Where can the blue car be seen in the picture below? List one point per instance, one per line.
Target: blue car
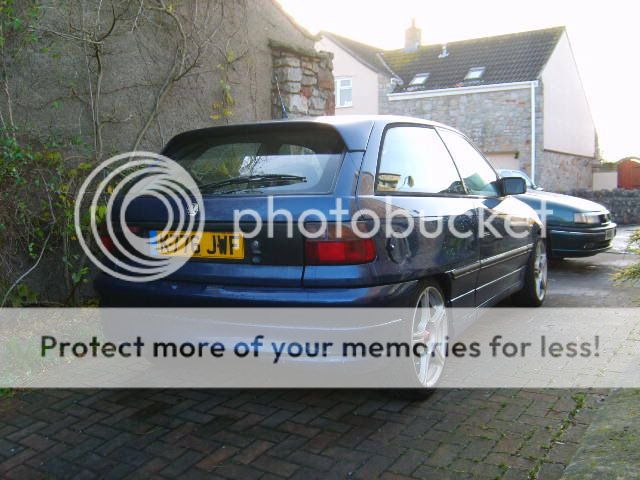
(575, 227)
(379, 170)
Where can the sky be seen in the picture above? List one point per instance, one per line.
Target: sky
(604, 37)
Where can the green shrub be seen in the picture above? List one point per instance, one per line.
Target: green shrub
(36, 218)
(632, 272)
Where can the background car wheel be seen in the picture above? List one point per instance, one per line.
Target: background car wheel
(535, 282)
(429, 325)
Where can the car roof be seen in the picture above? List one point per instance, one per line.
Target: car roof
(354, 129)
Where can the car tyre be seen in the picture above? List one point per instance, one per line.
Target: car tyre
(430, 325)
(534, 290)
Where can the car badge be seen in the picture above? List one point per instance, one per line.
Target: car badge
(192, 209)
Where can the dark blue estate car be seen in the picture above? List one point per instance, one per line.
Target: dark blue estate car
(376, 166)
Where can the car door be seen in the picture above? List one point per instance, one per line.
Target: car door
(504, 226)
(414, 176)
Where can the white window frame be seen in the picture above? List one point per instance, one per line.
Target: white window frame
(419, 79)
(475, 73)
(337, 92)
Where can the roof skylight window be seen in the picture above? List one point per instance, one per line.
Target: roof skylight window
(475, 73)
(419, 79)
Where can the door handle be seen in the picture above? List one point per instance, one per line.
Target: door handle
(489, 237)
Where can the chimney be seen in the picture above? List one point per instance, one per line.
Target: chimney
(412, 37)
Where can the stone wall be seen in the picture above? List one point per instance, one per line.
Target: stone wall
(499, 122)
(53, 84)
(495, 121)
(95, 99)
(624, 205)
(560, 171)
(305, 80)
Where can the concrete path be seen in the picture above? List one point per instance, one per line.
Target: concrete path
(610, 447)
(621, 241)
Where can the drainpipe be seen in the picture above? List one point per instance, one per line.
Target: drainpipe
(533, 132)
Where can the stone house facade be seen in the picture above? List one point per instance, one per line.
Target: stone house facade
(518, 97)
(115, 75)
(94, 78)
(498, 122)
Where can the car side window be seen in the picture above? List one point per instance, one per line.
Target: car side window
(415, 160)
(477, 174)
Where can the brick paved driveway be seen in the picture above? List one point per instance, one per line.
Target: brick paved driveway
(305, 434)
(292, 434)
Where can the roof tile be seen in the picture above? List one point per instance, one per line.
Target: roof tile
(515, 57)
(509, 58)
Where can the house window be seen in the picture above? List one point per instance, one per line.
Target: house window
(475, 73)
(344, 92)
(419, 79)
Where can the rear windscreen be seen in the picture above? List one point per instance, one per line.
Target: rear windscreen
(269, 161)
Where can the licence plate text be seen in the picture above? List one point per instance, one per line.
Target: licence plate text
(221, 245)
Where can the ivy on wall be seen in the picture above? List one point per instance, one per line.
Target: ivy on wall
(40, 168)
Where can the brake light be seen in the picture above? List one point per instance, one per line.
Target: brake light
(107, 242)
(340, 252)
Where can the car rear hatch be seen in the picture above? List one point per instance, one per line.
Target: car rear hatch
(266, 176)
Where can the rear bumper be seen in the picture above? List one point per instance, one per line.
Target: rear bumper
(167, 293)
(302, 323)
(269, 327)
(574, 242)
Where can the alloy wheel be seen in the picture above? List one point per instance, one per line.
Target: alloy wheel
(430, 327)
(540, 270)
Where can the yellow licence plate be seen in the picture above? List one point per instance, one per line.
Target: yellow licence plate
(222, 245)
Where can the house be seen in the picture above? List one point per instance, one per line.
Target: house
(158, 72)
(363, 72)
(519, 96)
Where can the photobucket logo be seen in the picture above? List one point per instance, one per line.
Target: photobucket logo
(108, 192)
(387, 219)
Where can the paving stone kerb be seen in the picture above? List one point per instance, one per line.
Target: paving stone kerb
(609, 448)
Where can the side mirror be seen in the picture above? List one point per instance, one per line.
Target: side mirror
(512, 186)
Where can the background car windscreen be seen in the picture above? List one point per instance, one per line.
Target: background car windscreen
(269, 161)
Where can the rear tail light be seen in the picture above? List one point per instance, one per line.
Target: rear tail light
(107, 240)
(342, 252)
(107, 243)
(332, 248)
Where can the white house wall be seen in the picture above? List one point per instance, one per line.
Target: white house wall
(364, 80)
(568, 125)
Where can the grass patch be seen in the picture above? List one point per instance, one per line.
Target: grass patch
(20, 336)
